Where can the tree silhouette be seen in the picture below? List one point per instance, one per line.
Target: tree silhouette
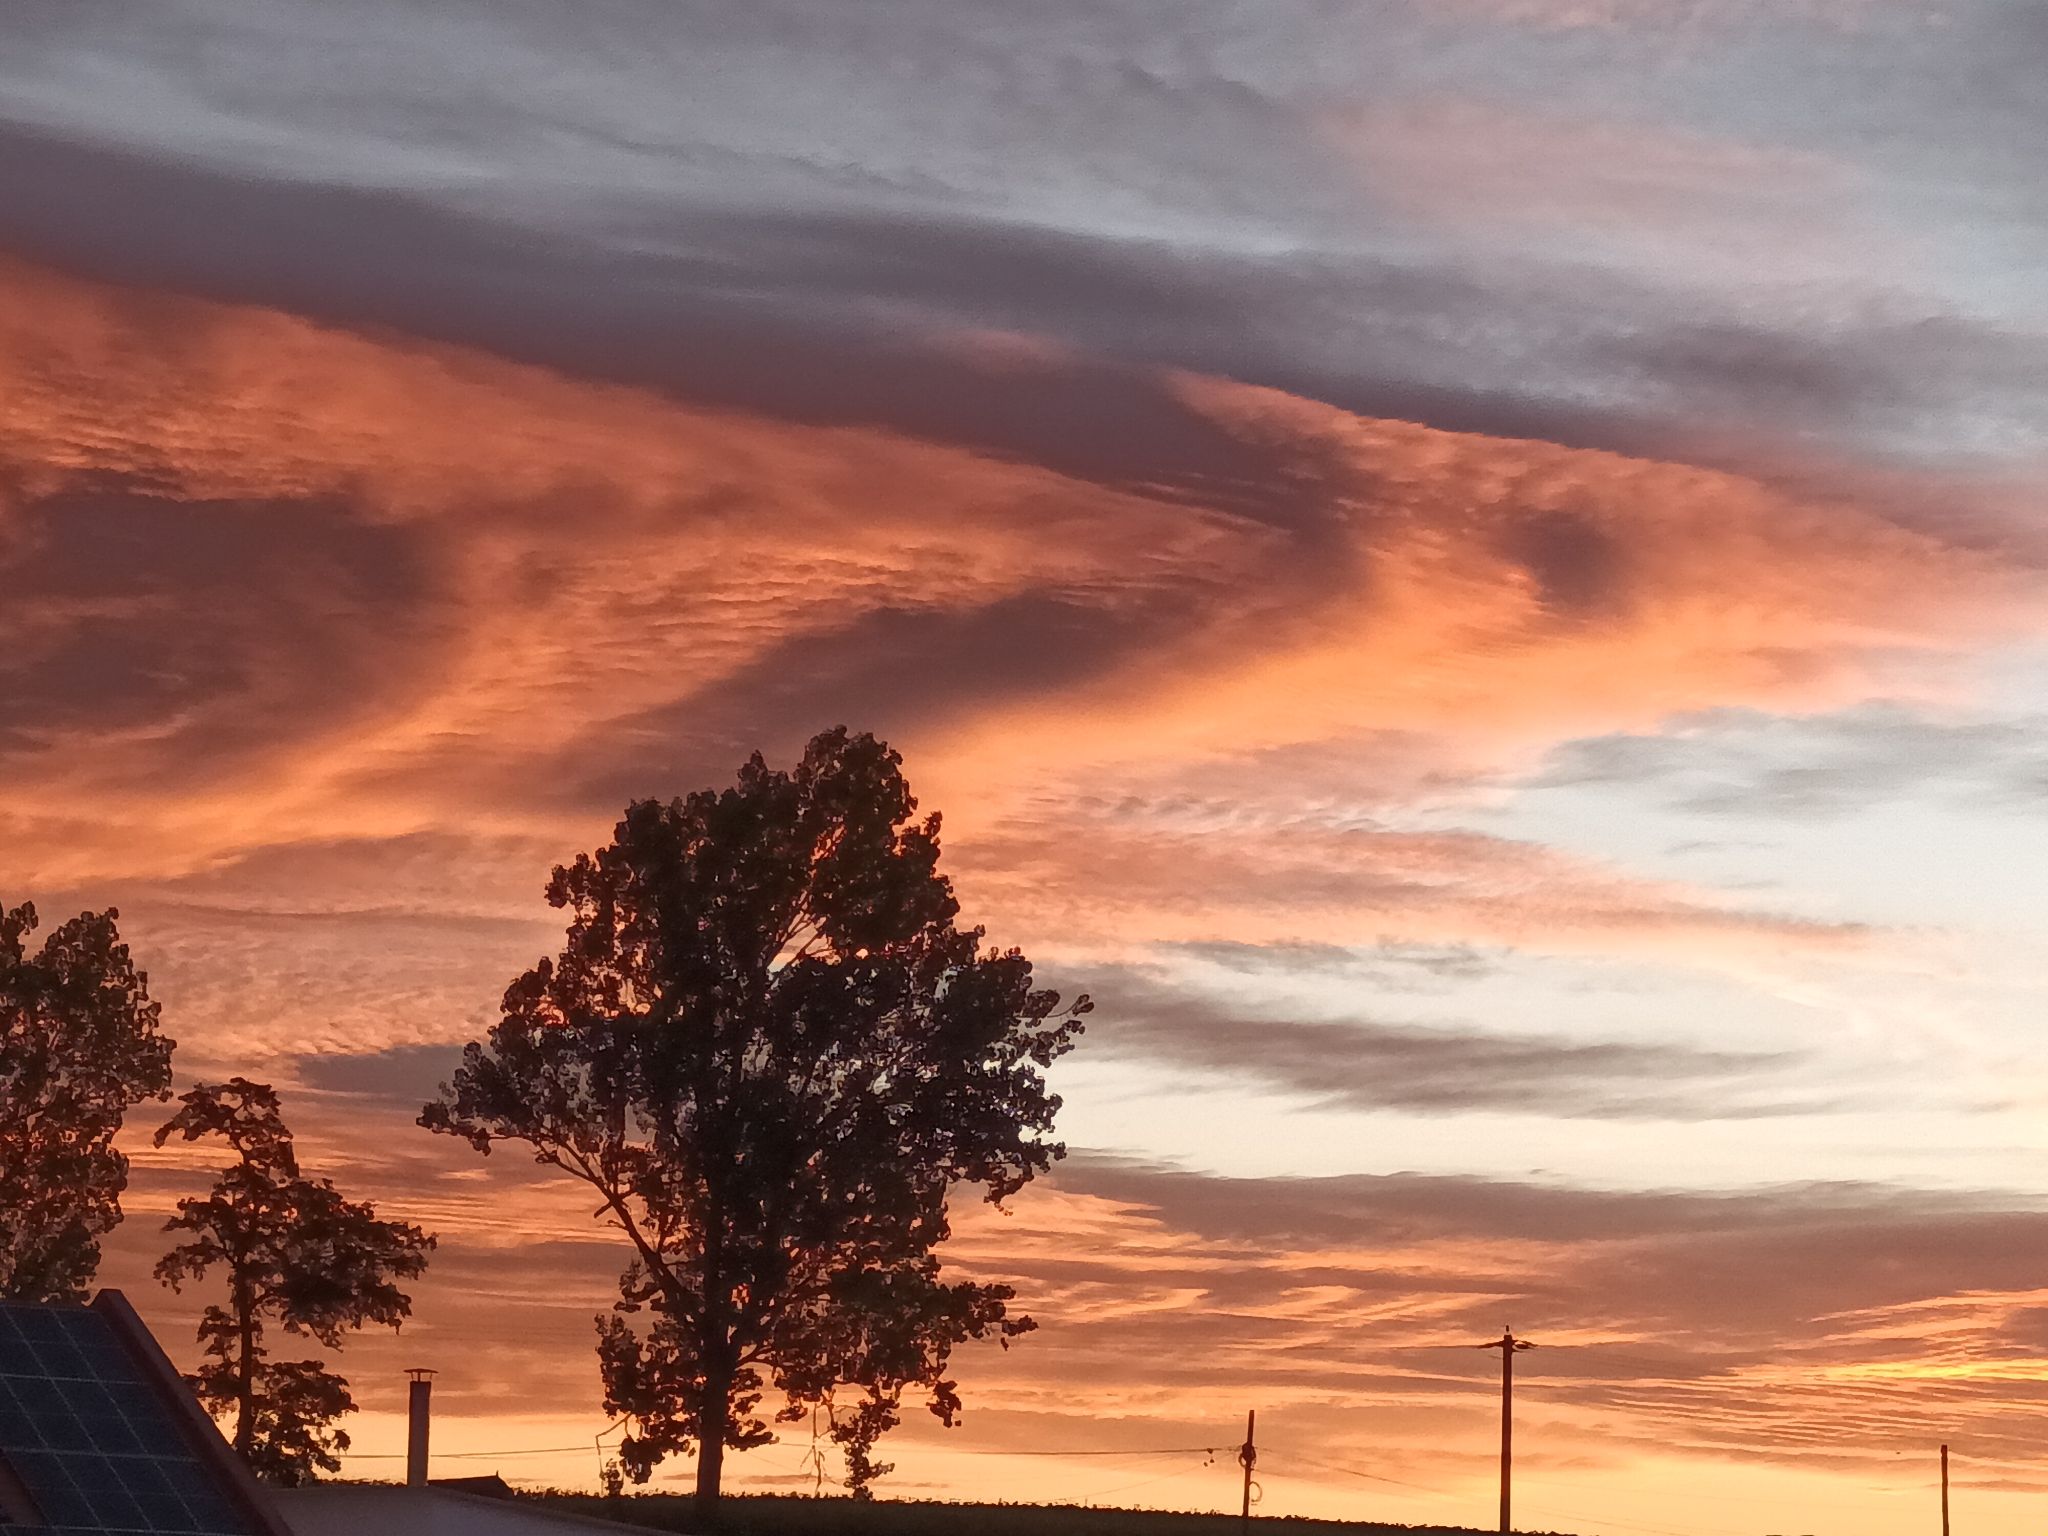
(296, 1253)
(770, 1052)
(78, 1045)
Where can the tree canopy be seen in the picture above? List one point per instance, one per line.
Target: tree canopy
(79, 1045)
(295, 1253)
(770, 1051)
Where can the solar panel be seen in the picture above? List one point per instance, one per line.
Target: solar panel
(90, 1438)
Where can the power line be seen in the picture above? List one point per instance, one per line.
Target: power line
(1776, 1500)
(1329, 1466)
(540, 1450)
(1630, 1525)
(1373, 1477)
(1288, 1458)
(562, 1450)
(1168, 1450)
(1150, 1482)
(1443, 1493)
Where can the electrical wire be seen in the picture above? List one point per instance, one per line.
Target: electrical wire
(1629, 1525)
(539, 1450)
(1150, 1482)
(1372, 1477)
(1267, 1460)
(1626, 1525)
(562, 1450)
(1168, 1450)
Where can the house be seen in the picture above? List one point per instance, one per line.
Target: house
(99, 1436)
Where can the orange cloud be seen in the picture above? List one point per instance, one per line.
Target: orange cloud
(281, 587)
(1672, 1326)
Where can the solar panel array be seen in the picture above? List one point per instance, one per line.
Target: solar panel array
(89, 1437)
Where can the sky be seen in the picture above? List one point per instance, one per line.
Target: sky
(1473, 570)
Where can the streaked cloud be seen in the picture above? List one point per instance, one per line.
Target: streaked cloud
(1474, 569)
(1372, 1064)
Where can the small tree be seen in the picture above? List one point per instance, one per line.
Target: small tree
(78, 1045)
(770, 1052)
(297, 1254)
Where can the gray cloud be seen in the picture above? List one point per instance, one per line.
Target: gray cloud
(1372, 1065)
(1742, 763)
(894, 670)
(1724, 1269)
(1368, 1208)
(1389, 965)
(1353, 1065)
(402, 1078)
(214, 623)
(825, 304)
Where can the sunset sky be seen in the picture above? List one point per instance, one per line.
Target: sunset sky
(1472, 569)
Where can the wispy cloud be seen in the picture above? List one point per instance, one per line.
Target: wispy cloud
(1373, 1064)
(318, 631)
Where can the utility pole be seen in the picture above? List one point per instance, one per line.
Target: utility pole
(1944, 1491)
(1248, 1457)
(1509, 1346)
(816, 1460)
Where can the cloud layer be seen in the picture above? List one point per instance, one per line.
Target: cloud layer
(1409, 541)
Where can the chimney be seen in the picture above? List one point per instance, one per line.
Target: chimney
(416, 1427)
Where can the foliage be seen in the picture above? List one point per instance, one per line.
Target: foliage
(768, 1049)
(78, 1045)
(297, 1254)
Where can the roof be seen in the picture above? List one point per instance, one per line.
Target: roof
(490, 1485)
(99, 1436)
(349, 1509)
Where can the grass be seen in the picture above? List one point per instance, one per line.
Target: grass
(786, 1515)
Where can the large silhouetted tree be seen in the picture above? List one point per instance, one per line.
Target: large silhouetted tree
(297, 1254)
(768, 1049)
(78, 1046)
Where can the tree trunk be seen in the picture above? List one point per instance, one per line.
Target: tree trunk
(245, 1407)
(715, 1350)
(713, 1419)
